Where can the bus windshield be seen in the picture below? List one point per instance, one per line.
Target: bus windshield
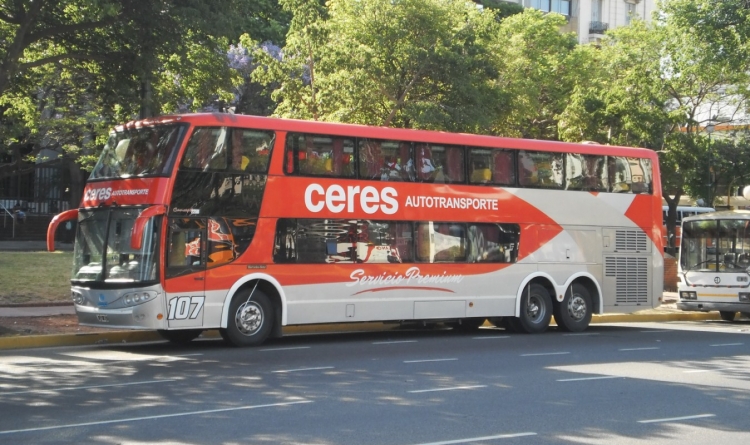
(145, 151)
(102, 249)
(716, 245)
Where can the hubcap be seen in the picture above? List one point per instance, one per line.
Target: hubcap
(249, 318)
(534, 309)
(577, 307)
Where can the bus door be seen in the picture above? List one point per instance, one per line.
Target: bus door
(185, 282)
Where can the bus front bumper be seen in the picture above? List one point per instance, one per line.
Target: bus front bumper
(708, 306)
(134, 317)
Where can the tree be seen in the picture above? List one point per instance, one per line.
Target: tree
(78, 67)
(657, 89)
(412, 63)
(538, 67)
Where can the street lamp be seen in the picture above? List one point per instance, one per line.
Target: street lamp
(709, 129)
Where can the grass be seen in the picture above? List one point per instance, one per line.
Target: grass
(35, 277)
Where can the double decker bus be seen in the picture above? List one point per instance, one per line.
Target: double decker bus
(714, 269)
(247, 224)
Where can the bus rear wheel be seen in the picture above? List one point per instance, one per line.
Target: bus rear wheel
(727, 315)
(181, 336)
(573, 314)
(536, 310)
(250, 319)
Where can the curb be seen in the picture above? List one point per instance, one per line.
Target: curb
(126, 337)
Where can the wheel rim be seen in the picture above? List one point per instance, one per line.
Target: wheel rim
(535, 309)
(249, 318)
(577, 307)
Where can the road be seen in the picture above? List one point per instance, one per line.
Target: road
(640, 383)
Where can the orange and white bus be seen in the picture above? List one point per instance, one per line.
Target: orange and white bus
(247, 224)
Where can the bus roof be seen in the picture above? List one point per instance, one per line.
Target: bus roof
(724, 214)
(691, 209)
(356, 130)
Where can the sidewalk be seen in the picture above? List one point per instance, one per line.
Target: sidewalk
(31, 246)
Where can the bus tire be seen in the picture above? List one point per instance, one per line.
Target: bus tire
(250, 319)
(573, 314)
(536, 310)
(180, 336)
(727, 315)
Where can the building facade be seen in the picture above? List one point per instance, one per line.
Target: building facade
(590, 19)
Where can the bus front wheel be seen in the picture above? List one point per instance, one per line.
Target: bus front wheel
(573, 314)
(250, 319)
(536, 310)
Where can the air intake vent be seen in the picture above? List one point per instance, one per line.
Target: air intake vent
(631, 278)
(630, 241)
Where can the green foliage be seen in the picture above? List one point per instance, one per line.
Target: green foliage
(537, 71)
(412, 63)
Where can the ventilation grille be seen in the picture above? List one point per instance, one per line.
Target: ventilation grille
(630, 241)
(631, 279)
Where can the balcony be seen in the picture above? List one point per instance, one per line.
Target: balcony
(598, 27)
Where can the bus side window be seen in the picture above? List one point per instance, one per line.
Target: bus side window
(251, 150)
(454, 165)
(425, 167)
(371, 160)
(540, 169)
(585, 172)
(619, 174)
(205, 145)
(186, 243)
(480, 162)
(493, 243)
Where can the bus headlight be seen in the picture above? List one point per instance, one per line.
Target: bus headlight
(77, 297)
(134, 298)
(744, 297)
(688, 295)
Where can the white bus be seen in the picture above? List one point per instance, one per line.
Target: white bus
(714, 268)
(682, 212)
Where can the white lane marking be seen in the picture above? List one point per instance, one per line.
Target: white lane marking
(649, 331)
(674, 419)
(638, 349)
(579, 379)
(291, 348)
(477, 439)
(490, 337)
(544, 353)
(448, 389)
(303, 369)
(432, 360)
(188, 355)
(161, 416)
(728, 344)
(395, 342)
(695, 371)
(71, 388)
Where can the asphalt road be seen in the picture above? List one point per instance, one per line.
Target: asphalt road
(666, 383)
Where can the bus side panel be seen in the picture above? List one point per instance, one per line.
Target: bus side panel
(419, 294)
